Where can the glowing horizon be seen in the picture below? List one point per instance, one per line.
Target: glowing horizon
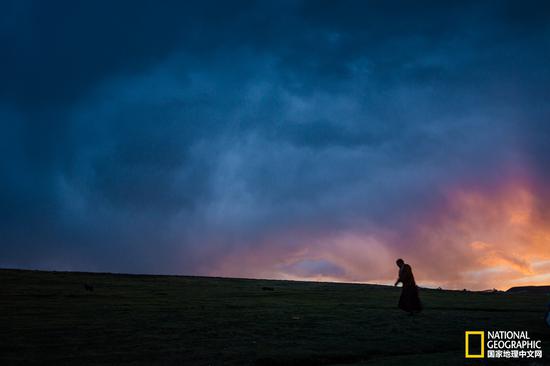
(497, 240)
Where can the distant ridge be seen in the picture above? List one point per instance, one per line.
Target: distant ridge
(529, 289)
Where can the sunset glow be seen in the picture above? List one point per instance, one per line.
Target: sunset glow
(476, 239)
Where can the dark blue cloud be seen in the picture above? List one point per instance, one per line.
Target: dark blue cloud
(139, 136)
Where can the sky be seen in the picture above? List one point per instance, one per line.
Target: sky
(308, 140)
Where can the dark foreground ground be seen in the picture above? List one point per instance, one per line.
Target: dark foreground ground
(49, 318)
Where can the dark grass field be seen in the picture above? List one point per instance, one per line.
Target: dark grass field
(49, 318)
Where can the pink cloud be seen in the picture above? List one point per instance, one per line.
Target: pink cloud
(475, 238)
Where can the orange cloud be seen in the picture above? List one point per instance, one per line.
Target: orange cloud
(475, 239)
(492, 239)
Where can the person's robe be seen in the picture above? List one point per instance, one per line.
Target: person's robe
(409, 300)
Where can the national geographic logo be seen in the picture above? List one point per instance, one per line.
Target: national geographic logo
(501, 344)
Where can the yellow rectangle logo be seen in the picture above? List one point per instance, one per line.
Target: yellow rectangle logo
(467, 353)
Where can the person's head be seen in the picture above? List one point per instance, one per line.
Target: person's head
(400, 262)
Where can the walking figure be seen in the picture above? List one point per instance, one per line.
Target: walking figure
(409, 300)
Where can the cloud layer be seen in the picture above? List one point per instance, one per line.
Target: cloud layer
(309, 140)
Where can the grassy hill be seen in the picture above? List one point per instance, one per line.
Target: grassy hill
(530, 289)
(49, 317)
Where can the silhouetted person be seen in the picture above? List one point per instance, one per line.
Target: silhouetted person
(409, 300)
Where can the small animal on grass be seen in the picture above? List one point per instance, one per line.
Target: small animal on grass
(88, 287)
(265, 288)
